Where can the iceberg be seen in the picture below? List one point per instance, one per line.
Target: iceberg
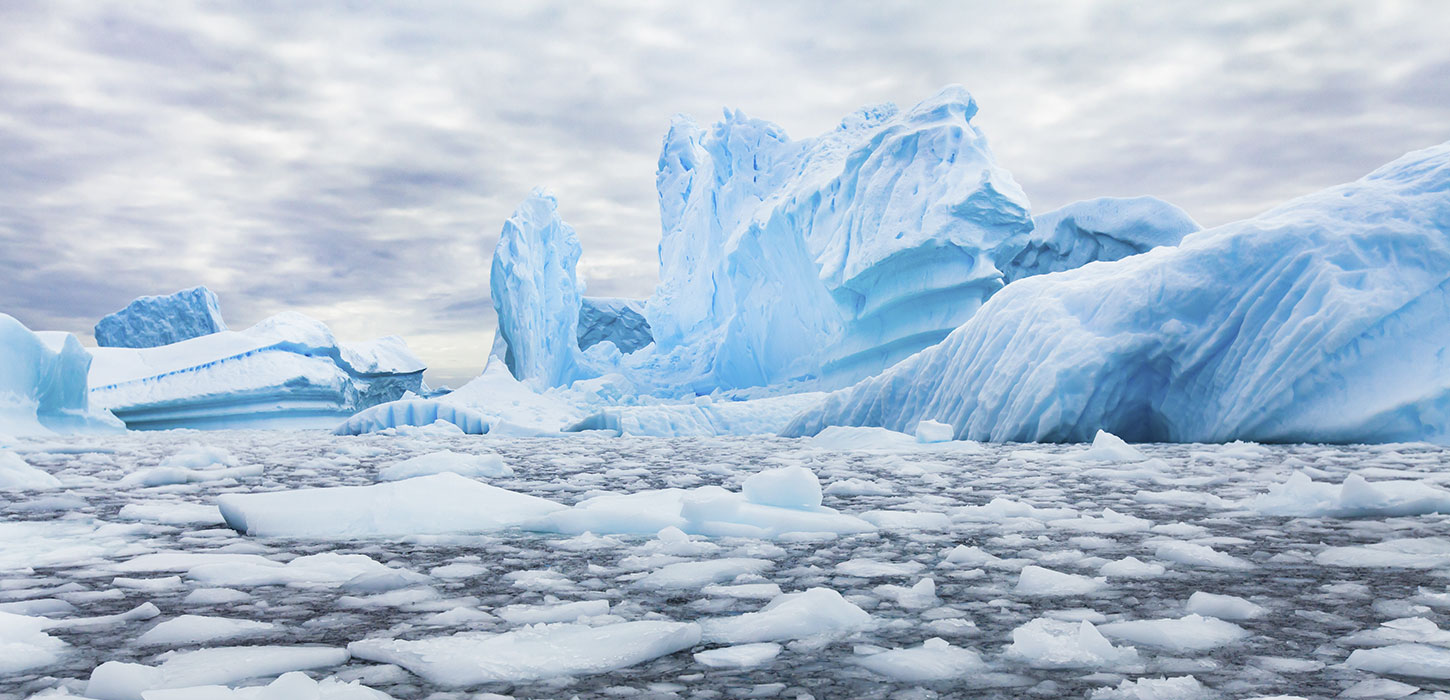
(619, 321)
(837, 255)
(782, 261)
(536, 294)
(287, 371)
(1323, 320)
(152, 321)
(1107, 228)
(43, 384)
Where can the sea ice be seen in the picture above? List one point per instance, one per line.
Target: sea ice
(438, 504)
(738, 656)
(1185, 634)
(817, 611)
(1045, 643)
(470, 465)
(116, 680)
(934, 660)
(531, 653)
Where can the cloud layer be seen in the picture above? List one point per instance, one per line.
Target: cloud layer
(355, 161)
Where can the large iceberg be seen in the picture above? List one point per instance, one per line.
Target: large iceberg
(43, 383)
(151, 321)
(833, 256)
(1107, 228)
(287, 371)
(823, 260)
(1323, 320)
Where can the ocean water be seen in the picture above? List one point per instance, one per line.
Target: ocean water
(1322, 599)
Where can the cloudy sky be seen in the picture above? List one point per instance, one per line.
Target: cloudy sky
(355, 160)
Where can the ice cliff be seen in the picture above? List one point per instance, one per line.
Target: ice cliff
(287, 371)
(1107, 228)
(619, 321)
(43, 383)
(1323, 320)
(150, 321)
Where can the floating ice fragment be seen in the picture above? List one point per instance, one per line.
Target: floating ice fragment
(738, 656)
(470, 465)
(934, 660)
(531, 653)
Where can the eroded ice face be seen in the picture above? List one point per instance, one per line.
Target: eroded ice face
(1299, 570)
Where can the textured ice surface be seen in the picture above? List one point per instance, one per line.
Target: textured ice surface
(1107, 228)
(536, 294)
(43, 383)
(413, 413)
(838, 254)
(150, 321)
(1321, 320)
(1326, 587)
(619, 321)
(288, 370)
(437, 504)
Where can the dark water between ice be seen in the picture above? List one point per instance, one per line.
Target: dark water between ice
(1310, 608)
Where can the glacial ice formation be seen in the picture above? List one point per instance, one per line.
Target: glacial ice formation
(43, 383)
(1323, 320)
(287, 371)
(536, 294)
(151, 321)
(836, 255)
(619, 321)
(1107, 228)
(819, 260)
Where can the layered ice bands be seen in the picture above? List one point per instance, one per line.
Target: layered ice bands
(1324, 320)
(287, 371)
(837, 255)
(43, 383)
(152, 321)
(536, 294)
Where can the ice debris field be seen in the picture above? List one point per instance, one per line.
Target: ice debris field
(432, 563)
(881, 431)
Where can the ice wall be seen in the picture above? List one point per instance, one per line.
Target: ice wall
(536, 294)
(161, 320)
(619, 321)
(1107, 228)
(832, 256)
(1324, 320)
(43, 383)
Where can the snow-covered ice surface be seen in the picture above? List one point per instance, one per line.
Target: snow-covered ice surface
(1005, 571)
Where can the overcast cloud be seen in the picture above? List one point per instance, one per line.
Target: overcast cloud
(355, 161)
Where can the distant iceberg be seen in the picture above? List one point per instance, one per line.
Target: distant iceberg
(43, 384)
(1323, 320)
(287, 371)
(152, 321)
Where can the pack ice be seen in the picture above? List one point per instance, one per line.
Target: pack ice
(287, 371)
(151, 321)
(1323, 320)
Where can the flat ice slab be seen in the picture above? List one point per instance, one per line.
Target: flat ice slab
(531, 653)
(426, 505)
